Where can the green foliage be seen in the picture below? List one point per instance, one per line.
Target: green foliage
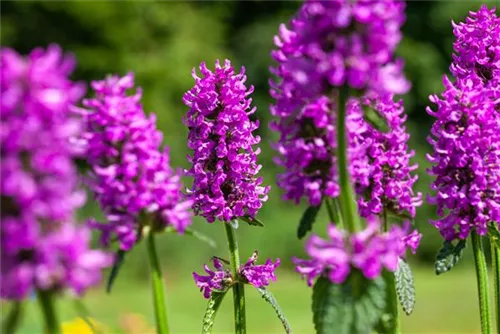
(11, 322)
(83, 312)
(268, 297)
(494, 235)
(307, 220)
(252, 221)
(449, 255)
(356, 306)
(213, 305)
(373, 117)
(196, 234)
(405, 286)
(117, 264)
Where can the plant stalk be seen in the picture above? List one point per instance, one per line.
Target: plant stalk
(11, 322)
(158, 286)
(238, 287)
(393, 296)
(48, 311)
(348, 206)
(482, 283)
(495, 263)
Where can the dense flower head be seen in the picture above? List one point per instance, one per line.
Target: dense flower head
(41, 246)
(466, 158)
(390, 183)
(368, 251)
(477, 47)
(336, 43)
(224, 162)
(258, 275)
(130, 175)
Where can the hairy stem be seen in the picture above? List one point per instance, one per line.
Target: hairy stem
(46, 299)
(348, 206)
(238, 287)
(482, 283)
(158, 286)
(495, 262)
(393, 296)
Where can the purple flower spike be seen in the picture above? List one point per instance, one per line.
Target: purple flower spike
(41, 246)
(259, 275)
(224, 162)
(368, 251)
(215, 280)
(130, 176)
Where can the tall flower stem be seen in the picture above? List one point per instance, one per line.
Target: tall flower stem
(48, 311)
(158, 286)
(495, 263)
(347, 202)
(238, 287)
(482, 283)
(11, 322)
(392, 297)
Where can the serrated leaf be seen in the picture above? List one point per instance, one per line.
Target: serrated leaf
(212, 307)
(375, 119)
(83, 312)
(268, 297)
(119, 259)
(405, 286)
(234, 223)
(11, 322)
(252, 221)
(448, 256)
(200, 236)
(356, 306)
(307, 220)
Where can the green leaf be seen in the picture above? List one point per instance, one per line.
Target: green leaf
(202, 237)
(449, 256)
(405, 286)
(307, 220)
(494, 235)
(213, 306)
(356, 306)
(11, 322)
(119, 259)
(375, 119)
(252, 221)
(83, 312)
(268, 297)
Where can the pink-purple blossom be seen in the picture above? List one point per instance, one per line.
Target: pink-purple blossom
(224, 160)
(41, 245)
(217, 279)
(368, 251)
(130, 175)
(259, 275)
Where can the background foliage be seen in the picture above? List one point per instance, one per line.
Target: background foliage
(162, 41)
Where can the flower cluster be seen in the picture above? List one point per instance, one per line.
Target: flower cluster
(466, 133)
(368, 250)
(224, 162)
(390, 183)
(130, 176)
(41, 246)
(466, 159)
(477, 48)
(258, 275)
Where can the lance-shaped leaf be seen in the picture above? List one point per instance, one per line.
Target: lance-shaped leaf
(356, 306)
(11, 322)
(252, 221)
(268, 297)
(372, 116)
(119, 259)
(448, 256)
(196, 234)
(307, 220)
(213, 305)
(405, 286)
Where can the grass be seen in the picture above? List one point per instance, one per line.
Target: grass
(445, 304)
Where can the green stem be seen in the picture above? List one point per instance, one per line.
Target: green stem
(48, 311)
(482, 283)
(158, 286)
(238, 287)
(495, 262)
(393, 296)
(348, 206)
(332, 207)
(11, 322)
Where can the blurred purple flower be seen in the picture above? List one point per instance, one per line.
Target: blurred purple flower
(130, 177)
(41, 246)
(224, 162)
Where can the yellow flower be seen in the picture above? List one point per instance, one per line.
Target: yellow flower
(80, 326)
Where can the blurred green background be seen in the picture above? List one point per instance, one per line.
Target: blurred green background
(161, 42)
